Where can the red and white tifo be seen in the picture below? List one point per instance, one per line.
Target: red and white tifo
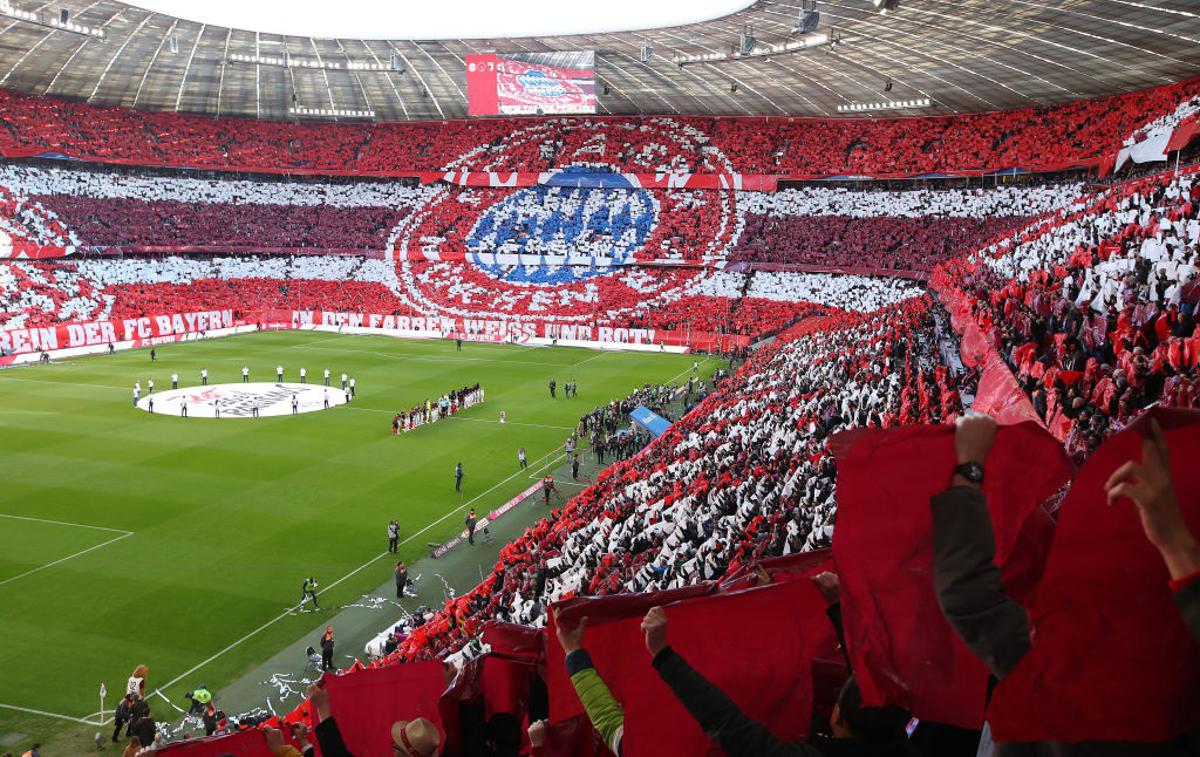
(238, 400)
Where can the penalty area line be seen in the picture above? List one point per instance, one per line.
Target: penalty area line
(65, 523)
(291, 610)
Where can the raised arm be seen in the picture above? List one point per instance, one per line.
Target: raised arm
(598, 702)
(967, 581)
(738, 734)
(1149, 486)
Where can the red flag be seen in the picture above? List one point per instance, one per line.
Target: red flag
(901, 648)
(1111, 657)
(366, 703)
(757, 645)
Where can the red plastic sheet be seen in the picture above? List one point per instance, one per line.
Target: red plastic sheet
(1111, 657)
(902, 649)
(724, 637)
(1000, 396)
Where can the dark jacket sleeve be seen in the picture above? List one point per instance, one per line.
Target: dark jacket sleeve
(330, 739)
(1188, 599)
(738, 735)
(834, 613)
(968, 584)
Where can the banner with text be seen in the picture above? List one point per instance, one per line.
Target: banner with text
(603, 179)
(496, 330)
(144, 330)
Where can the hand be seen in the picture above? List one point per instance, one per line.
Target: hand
(320, 701)
(1150, 487)
(274, 739)
(654, 625)
(973, 438)
(300, 734)
(571, 639)
(829, 585)
(537, 733)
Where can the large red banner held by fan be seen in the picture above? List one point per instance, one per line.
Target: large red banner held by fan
(1112, 658)
(725, 637)
(901, 647)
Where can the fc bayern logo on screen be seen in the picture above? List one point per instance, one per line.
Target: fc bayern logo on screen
(537, 84)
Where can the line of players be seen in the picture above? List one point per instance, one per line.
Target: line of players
(429, 411)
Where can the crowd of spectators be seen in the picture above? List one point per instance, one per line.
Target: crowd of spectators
(134, 210)
(134, 224)
(1070, 134)
(646, 297)
(746, 475)
(1004, 201)
(1095, 310)
(688, 300)
(880, 243)
(42, 294)
(767, 661)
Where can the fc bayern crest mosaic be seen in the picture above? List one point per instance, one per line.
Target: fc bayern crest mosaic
(581, 226)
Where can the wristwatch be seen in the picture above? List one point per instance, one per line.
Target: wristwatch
(972, 471)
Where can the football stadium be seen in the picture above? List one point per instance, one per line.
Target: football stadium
(743, 377)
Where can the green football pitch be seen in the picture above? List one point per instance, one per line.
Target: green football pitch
(130, 538)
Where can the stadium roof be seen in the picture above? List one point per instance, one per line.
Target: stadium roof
(385, 19)
(963, 55)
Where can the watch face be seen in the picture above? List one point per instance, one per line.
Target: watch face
(973, 472)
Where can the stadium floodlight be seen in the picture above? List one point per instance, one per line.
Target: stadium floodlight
(746, 42)
(809, 18)
(60, 22)
(332, 112)
(290, 61)
(647, 52)
(922, 102)
(762, 51)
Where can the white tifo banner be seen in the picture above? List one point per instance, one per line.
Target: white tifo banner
(483, 329)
